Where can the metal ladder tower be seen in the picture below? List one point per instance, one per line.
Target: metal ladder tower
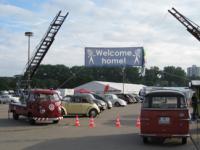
(191, 27)
(43, 46)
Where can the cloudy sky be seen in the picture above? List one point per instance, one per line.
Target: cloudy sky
(99, 23)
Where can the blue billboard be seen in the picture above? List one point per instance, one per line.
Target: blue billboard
(113, 57)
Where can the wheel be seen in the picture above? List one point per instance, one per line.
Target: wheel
(93, 113)
(55, 121)
(145, 139)
(15, 116)
(117, 104)
(63, 112)
(30, 119)
(184, 140)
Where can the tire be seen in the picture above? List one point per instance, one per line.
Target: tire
(15, 116)
(55, 121)
(145, 139)
(117, 104)
(30, 119)
(184, 140)
(63, 112)
(93, 113)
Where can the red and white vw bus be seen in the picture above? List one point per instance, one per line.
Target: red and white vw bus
(164, 114)
(41, 105)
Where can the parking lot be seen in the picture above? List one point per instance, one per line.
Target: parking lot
(20, 135)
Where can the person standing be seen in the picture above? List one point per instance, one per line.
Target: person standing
(194, 106)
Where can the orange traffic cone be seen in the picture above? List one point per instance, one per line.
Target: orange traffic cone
(138, 123)
(91, 122)
(77, 123)
(118, 124)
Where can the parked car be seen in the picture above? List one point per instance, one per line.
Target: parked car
(8, 99)
(101, 104)
(108, 102)
(67, 98)
(164, 114)
(136, 98)
(115, 100)
(125, 97)
(78, 105)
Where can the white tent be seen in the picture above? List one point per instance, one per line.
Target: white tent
(112, 87)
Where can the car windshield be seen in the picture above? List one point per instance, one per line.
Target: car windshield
(98, 97)
(91, 96)
(164, 102)
(67, 98)
(47, 97)
(114, 96)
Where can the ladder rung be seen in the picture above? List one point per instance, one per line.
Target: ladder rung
(56, 24)
(51, 32)
(41, 52)
(43, 48)
(38, 54)
(59, 20)
(54, 29)
(49, 36)
(46, 42)
(37, 59)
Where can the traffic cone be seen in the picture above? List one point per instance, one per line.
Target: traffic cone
(138, 123)
(91, 122)
(77, 123)
(118, 124)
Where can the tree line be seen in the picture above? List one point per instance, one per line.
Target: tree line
(60, 76)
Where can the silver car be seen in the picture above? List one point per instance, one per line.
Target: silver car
(108, 102)
(115, 100)
(8, 99)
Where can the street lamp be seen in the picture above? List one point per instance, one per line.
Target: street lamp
(28, 34)
(124, 76)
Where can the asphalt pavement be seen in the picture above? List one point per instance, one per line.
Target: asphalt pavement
(19, 135)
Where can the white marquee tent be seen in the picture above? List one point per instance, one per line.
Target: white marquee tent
(112, 87)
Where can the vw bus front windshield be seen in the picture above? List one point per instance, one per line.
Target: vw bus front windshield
(47, 97)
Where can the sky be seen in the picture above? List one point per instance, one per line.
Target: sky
(98, 23)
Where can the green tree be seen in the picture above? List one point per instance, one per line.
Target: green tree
(152, 76)
(175, 76)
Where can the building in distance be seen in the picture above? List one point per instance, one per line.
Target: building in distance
(193, 71)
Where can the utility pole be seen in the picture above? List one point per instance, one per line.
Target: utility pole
(123, 71)
(28, 34)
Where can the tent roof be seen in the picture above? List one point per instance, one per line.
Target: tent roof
(195, 83)
(98, 86)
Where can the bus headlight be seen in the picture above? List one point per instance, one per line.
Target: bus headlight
(42, 111)
(51, 107)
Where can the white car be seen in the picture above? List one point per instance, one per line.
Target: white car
(115, 100)
(8, 99)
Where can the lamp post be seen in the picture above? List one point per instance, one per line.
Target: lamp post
(123, 71)
(28, 34)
